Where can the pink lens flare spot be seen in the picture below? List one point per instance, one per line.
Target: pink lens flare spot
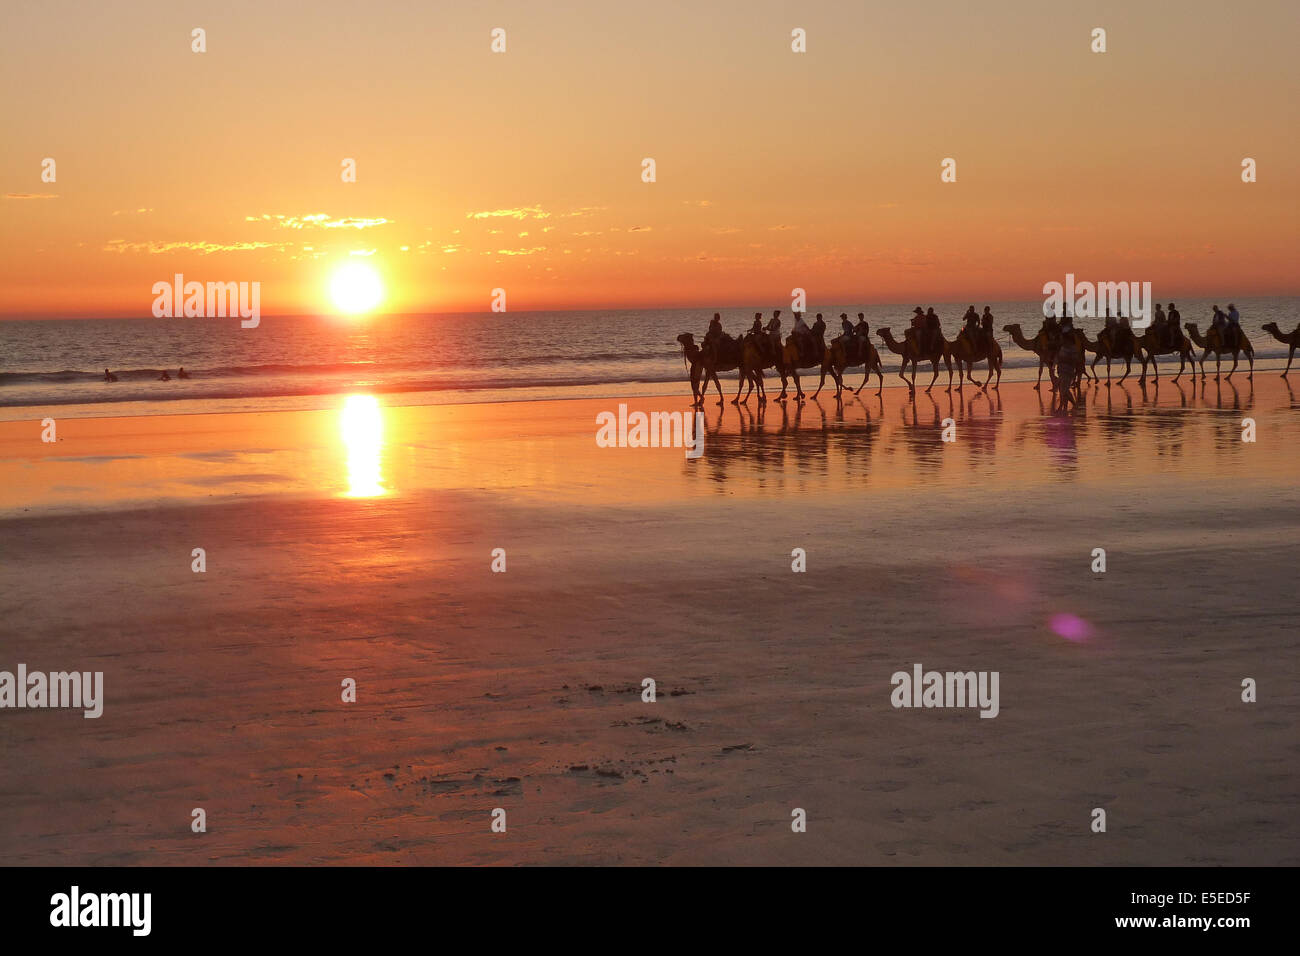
(1070, 627)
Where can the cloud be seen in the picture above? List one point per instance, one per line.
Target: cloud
(520, 212)
(31, 196)
(697, 202)
(127, 212)
(520, 252)
(319, 220)
(202, 248)
(640, 229)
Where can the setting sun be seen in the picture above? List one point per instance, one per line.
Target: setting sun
(356, 288)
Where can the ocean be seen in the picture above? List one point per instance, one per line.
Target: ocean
(302, 361)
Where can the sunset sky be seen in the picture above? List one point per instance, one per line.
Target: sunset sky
(522, 170)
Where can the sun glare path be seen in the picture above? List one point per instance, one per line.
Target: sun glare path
(362, 426)
(356, 288)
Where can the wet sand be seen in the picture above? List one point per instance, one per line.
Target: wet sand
(334, 552)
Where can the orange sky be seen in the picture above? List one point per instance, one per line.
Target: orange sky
(522, 170)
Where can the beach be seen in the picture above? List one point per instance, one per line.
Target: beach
(359, 545)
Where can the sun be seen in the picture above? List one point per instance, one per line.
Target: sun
(356, 288)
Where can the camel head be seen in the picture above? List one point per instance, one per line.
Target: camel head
(1272, 327)
(1013, 328)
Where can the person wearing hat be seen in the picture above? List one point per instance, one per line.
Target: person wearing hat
(847, 326)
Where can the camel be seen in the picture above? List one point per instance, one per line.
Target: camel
(757, 352)
(789, 361)
(1118, 342)
(709, 362)
(1213, 342)
(1151, 343)
(966, 351)
(1291, 338)
(841, 356)
(911, 352)
(1039, 346)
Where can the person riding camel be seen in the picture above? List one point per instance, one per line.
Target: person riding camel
(802, 336)
(1234, 327)
(850, 333)
(1173, 328)
(971, 326)
(986, 326)
(757, 327)
(918, 323)
(934, 330)
(863, 329)
(1160, 324)
(714, 334)
(1220, 322)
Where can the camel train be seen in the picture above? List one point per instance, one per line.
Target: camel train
(761, 347)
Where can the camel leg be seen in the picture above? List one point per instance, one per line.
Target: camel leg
(741, 378)
(1250, 357)
(1039, 384)
(823, 380)
(1288, 362)
(935, 363)
(716, 384)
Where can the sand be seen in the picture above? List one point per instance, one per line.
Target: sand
(522, 690)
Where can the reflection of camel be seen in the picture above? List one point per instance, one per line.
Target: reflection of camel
(841, 356)
(724, 358)
(789, 359)
(1213, 342)
(1291, 338)
(1039, 346)
(913, 353)
(966, 352)
(1152, 344)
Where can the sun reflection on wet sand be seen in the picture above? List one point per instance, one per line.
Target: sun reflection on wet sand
(361, 424)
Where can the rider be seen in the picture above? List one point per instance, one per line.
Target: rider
(971, 326)
(1174, 330)
(802, 335)
(849, 332)
(715, 331)
(1234, 325)
(934, 330)
(1160, 325)
(986, 325)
